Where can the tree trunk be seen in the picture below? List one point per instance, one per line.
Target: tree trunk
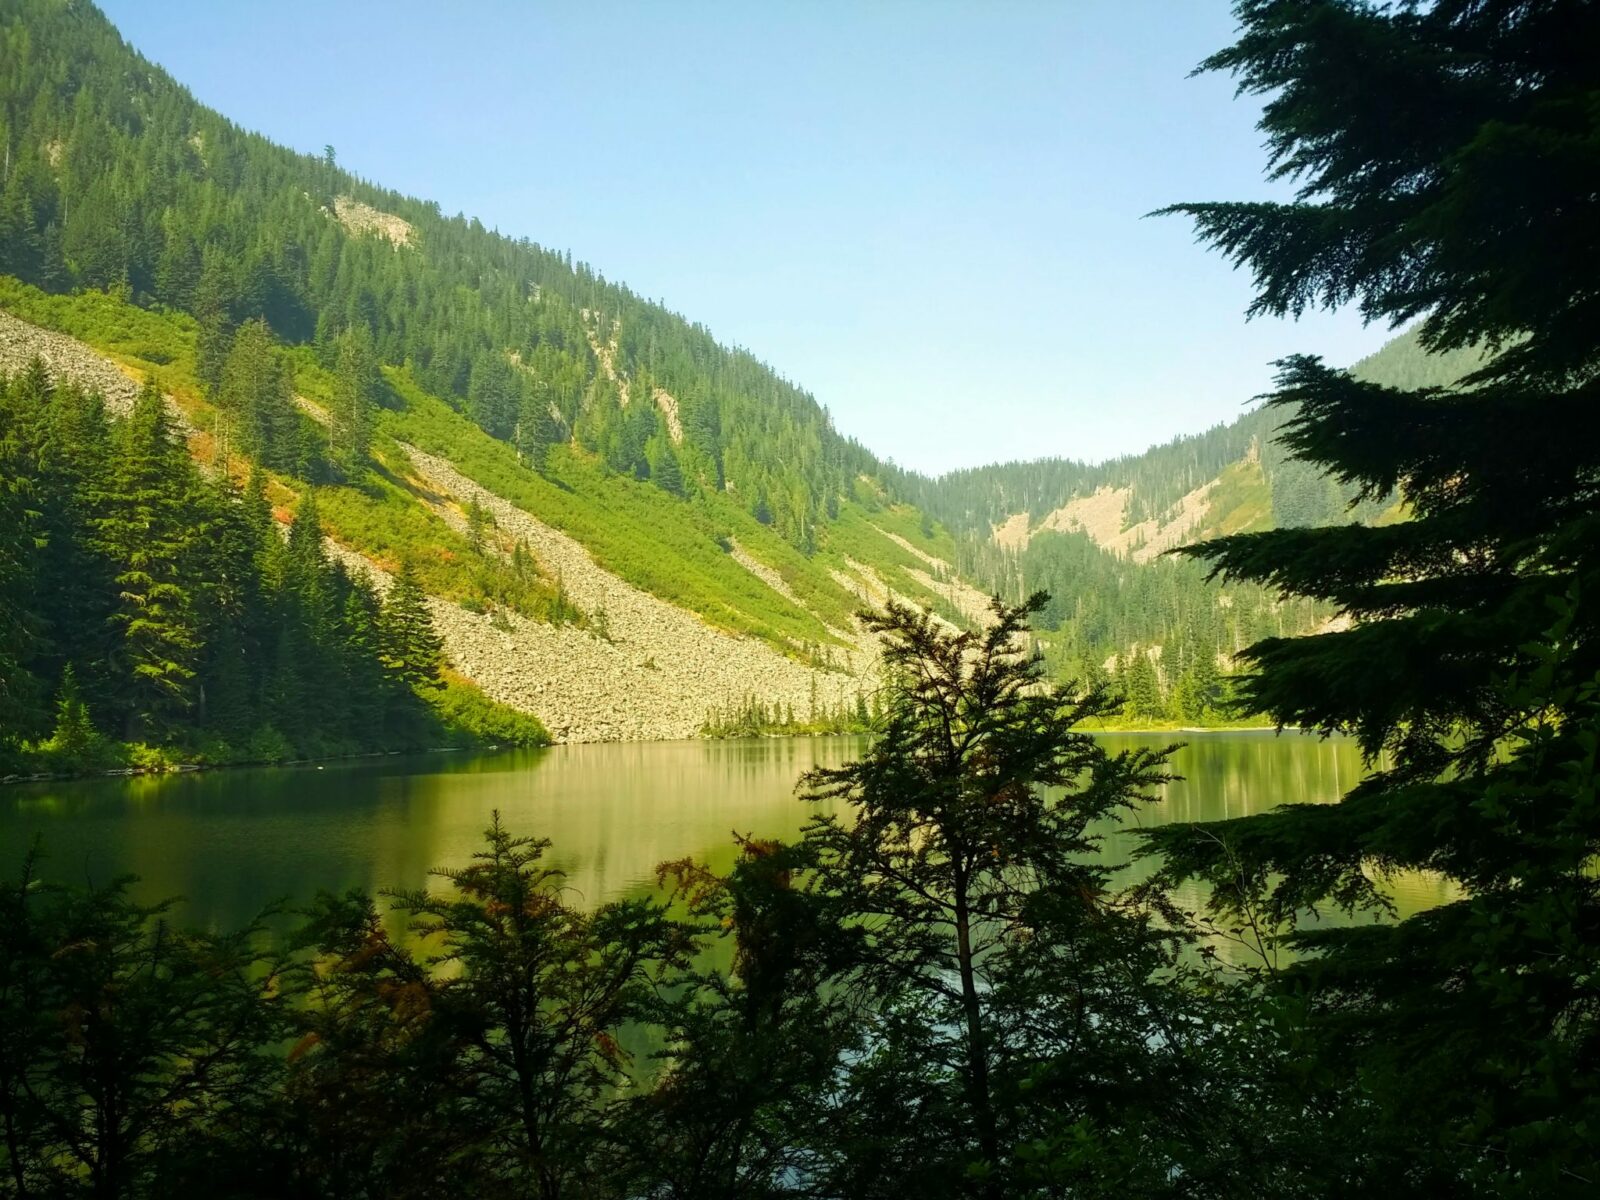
(977, 1050)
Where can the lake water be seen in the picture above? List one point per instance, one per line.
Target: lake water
(231, 842)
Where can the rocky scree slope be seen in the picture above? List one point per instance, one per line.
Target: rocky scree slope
(644, 669)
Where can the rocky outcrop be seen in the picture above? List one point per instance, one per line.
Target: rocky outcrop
(1103, 516)
(761, 571)
(962, 596)
(359, 218)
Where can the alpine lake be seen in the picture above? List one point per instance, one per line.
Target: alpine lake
(229, 843)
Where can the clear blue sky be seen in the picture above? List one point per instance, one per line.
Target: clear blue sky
(928, 214)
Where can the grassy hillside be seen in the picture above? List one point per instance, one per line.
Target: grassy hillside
(157, 232)
(677, 549)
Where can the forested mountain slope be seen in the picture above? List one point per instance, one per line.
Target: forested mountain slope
(622, 526)
(1094, 536)
(622, 523)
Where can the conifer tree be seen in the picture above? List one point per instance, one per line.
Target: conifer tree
(966, 822)
(1444, 156)
(145, 531)
(410, 645)
(213, 312)
(256, 400)
(478, 520)
(666, 472)
(355, 391)
(1143, 693)
(537, 432)
(20, 621)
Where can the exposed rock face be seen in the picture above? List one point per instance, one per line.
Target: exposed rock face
(963, 597)
(361, 218)
(655, 674)
(1103, 515)
(761, 571)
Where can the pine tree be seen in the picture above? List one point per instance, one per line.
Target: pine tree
(355, 392)
(411, 648)
(145, 531)
(1445, 157)
(256, 400)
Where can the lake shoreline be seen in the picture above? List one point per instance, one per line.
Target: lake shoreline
(193, 768)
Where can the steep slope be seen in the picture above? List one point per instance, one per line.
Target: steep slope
(672, 527)
(1095, 537)
(1230, 477)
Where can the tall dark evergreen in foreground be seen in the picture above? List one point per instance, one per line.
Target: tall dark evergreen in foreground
(1448, 162)
(963, 855)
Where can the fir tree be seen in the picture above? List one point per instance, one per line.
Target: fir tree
(666, 471)
(20, 620)
(355, 391)
(1444, 155)
(255, 400)
(478, 520)
(410, 645)
(145, 531)
(213, 312)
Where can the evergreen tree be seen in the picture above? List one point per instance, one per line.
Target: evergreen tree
(355, 392)
(255, 402)
(213, 312)
(74, 738)
(478, 520)
(1444, 155)
(538, 431)
(545, 990)
(145, 531)
(20, 621)
(666, 472)
(962, 862)
(410, 645)
(1143, 690)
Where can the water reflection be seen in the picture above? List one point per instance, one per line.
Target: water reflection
(231, 842)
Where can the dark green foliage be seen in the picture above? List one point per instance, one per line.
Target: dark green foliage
(355, 396)
(152, 605)
(131, 1052)
(145, 530)
(255, 403)
(410, 647)
(486, 1063)
(1445, 156)
(20, 535)
(744, 1097)
(756, 718)
(962, 865)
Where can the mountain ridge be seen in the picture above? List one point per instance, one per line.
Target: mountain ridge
(553, 404)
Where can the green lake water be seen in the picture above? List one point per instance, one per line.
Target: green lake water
(231, 842)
